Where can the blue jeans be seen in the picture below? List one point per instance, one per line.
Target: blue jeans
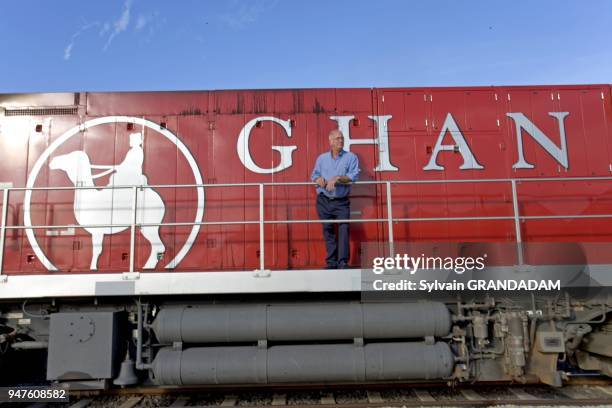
(337, 246)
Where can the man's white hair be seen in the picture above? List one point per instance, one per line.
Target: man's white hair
(335, 131)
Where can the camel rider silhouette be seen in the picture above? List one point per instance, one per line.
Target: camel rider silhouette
(129, 172)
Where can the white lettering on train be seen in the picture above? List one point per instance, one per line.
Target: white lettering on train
(521, 122)
(469, 161)
(244, 154)
(381, 140)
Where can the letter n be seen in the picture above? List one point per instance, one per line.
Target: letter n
(522, 123)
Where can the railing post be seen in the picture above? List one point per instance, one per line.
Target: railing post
(133, 227)
(390, 219)
(261, 227)
(5, 196)
(517, 224)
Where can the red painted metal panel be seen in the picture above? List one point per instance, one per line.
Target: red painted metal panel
(14, 143)
(209, 124)
(485, 118)
(230, 203)
(206, 249)
(147, 103)
(409, 110)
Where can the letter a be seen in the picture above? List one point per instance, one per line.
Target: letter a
(469, 161)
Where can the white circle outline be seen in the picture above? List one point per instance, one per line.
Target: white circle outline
(100, 121)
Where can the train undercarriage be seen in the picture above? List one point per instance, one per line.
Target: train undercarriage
(335, 338)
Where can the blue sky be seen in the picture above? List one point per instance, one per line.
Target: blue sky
(165, 45)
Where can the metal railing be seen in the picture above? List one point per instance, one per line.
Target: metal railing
(389, 219)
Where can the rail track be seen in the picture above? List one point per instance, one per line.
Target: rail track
(585, 393)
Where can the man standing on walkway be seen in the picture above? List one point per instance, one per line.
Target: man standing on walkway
(333, 173)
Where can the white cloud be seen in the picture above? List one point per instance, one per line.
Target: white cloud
(121, 24)
(245, 13)
(109, 30)
(70, 46)
(148, 23)
(141, 22)
(68, 51)
(124, 20)
(104, 29)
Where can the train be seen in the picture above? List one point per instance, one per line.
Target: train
(172, 238)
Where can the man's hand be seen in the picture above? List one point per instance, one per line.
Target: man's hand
(331, 183)
(320, 182)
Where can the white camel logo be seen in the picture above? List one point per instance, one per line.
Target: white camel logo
(114, 206)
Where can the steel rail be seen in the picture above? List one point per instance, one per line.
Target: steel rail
(310, 183)
(261, 221)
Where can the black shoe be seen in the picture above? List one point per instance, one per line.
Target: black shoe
(331, 267)
(344, 266)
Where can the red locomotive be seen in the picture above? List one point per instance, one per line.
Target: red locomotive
(189, 217)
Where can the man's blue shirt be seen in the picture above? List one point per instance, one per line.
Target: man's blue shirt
(346, 164)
